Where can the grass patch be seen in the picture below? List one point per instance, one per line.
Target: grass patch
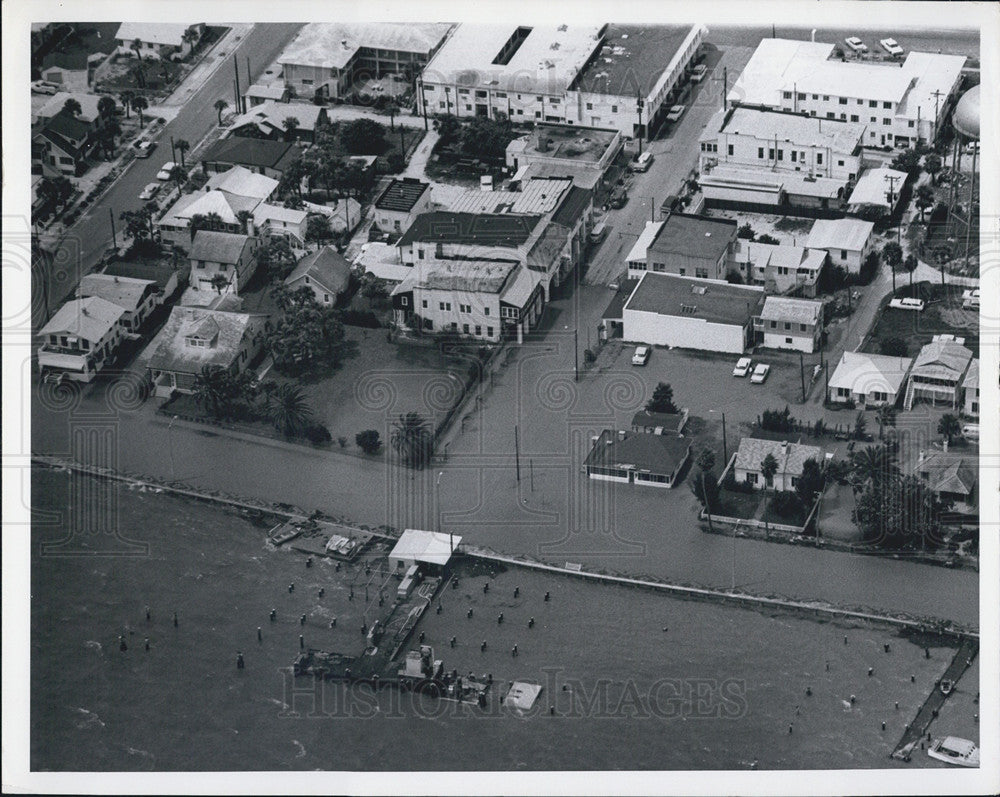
(738, 505)
(943, 315)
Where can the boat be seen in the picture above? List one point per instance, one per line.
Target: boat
(946, 687)
(955, 750)
(284, 533)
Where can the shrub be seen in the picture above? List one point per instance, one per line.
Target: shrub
(733, 486)
(786, 504)
(342, 441)
(733, 277)
(767, 239)
(746, 232)
(395, 163)
(318, 433)
(777, 420)
(368, 441)
(895, 347)
(589, 356)
(360, 318)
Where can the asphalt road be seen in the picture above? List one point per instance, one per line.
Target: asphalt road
(83, 245)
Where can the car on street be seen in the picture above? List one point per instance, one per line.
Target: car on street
(760, 373)
(743, 366)
(698, 73)
(642, 163)
(856, 44)
(618, 198)
(43, 87)
(892, 47)
(149, 191)
(907, 304)
(675, 113)
(970, 431)
(164, 173)
(641, 355)
(970, 298)
(143, 149)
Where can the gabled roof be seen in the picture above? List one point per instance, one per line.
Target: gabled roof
(88, 105)
(867, 373)
(945, 359)
(471, 275)
(851, 234)
(65, 125)
(947, 473)
(90, 319)
(171, 352)
(126, 292)
(790, 456)
(57, 140)
(241, 181)
(796, 311)
(401, 195)
(972, 375)
(218, 247)
(250, 151)
(873, 187)
(169, 33)
(498, 229)
(326, 267)
(223, 203)
(642, 452)
(273, 115)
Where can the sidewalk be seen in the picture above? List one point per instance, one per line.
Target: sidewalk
(211, 61)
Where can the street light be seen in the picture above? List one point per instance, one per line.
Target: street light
(170, 445)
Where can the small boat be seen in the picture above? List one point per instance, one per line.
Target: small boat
(946, 687)
(954, 750)
(283, 534)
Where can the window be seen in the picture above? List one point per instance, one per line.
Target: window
(760, 152)
(909, 123)
(854, 117)
(306, 82)
(802, 327)
(843, 100)
(454, 327)
(840, 163)
(465, 329)
(819, 158)
(489, 332)
(815, 96)
(843, 254)
(826, 98)
(802, 96)
(553, 100)
(440, 305)
(794, 156)
(886, 104)
(701, 273)
(682, 271)
(424, 303)
(481, 94)
(201, 264)
(831, 115)
(872, 104)
(788, 340)
(441, 104)
(447, 306)
(770, 154)
(326, 299)
(468, 107)
(463, 92)
(403, 300)
(861, 102)
(843, 117)
(887, 122)
(538, 114)
(787, 326)
(787, 95)
(751, 478)
(539, 99)
(486, 311)
(730, 149)
(500, 94)
(774, 325)
(479, 330)
(614, 109)
(590, 106)
(420, 253)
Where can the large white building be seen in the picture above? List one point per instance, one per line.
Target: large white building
(610, 76)
(897, 102)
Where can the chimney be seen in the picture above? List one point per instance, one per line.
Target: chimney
(921, 456)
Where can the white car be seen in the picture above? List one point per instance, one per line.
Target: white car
(892, 47)
(907, 304)
(675, 113)
(856, 44)
(970, 298)
(698, 73)
(164, 173)
(43, 87)
(642, 163)
(971, 431)
(743, 366)
(760, 373)
(143, 149)
(149, 191)
(641, 355)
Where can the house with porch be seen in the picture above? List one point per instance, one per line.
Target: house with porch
(787, 323)
(868, 380)
(937, 374)
(951, 477)
(791, 458)
(268, 121)
(233, 256)
(630, 457)
(80, 339)
(325, 272)
(262, 156)
(136, 297)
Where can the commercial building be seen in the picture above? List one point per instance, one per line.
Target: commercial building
(879, 188)
(667, 310)
(80, 339)
(429, 550)
(897, 102)
(326, 60)
(778, 268)
(937, 374)
(136, 297)
(790, 458)
(324, 272)
(847, 241)
(689, 246)
(588, 155)
(868, 380)
(622, 77)
(652, 460)
(787, 323)
(400, 203)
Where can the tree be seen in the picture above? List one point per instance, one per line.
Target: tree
(368, 441)
(924, 198)
(205, 221)
(412, 439)
(486, 138)
(910, 265)
(55, 190)
(733, 277)
(810, 483)
(363, 137)
(886, 416)
(308, 335)
(894, 347)
(140, 104)
(373, 289)
(907, 161)
(291, 178)
(860, 424)
(768, 239)
(105, 106)
(276, 258)
(218, 390)
(138, 223)
(182, 146)
(746, 232)
(72, 107)
(870, 266)
(106, 137)
(705, 463)
(126, 97)
(219, 282)
(392, 109)
(244, 217)
(932, 165)
(220, 105)
(777, 420)
(290, 412)
(949, 426)
(872, 465)
(662, 400)
(318, 228)
(768, 467)
(291, 124)
(892, 254)
(894, 514)
(449, 129)
(179, 175)
(137, 46)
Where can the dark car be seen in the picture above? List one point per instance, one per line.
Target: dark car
(618, 198)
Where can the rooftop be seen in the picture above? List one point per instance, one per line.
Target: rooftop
(783, 255)
(538, 196)
(326, 267)
(485, 276)
(797, 311)
(932, 72)
(695, 236)
(265, 212)
(171, 351)
(798, 183)
(160, 273)
(217, 247)
(67, 127)
(241, 181)
(637, 254)
(90, 319)
(401, 195)
(947, 473)
(790, 456)
(942, 358)
(520, 289)
(794, 127)
(567, 142)
(126, 292)
(631, 58)
(223, 203)
(432, 547)
(271, 115)
(865, 373)
(670, 422)
(850, 234)
(276, 91)
(539, 59)
(170, 33)
(572, 207)
(972, 375)
(874, 185)
(617, 303)
(499, 229)
(88, 105)
(642, 452)
(716, 302)
(250, 151)
(332, 45)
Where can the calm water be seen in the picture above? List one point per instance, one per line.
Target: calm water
(651, 682)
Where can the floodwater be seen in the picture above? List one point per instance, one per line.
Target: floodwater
(651, 682)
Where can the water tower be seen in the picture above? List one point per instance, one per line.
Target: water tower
(965, 120)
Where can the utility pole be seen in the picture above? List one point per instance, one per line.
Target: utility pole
(236, 69)
(531, 471)
(402, 141)
(725, 86)
(249, 79)
(937, 96)
(173, 151)
(802, 377)
(639, 106)
(576, 358)
(725, 447)
(114, 238)
(517, 454)
(892, 201)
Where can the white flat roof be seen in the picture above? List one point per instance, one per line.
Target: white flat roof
(425, 546)
(546, 62)
(638, 252)
(332, 45)
(796, 128)
(851, 234)
(873, 188)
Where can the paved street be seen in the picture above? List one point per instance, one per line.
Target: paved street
(83, 245)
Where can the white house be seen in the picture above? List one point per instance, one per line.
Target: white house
(848, 241)
(937, 374)
(788, 323)
(136, 297)
(325, 272)
(173, 40)
(970, 390)
(229, 255)
(431, 550)
(790, 457)
(869, 380)
(778, 268)
(81, 338)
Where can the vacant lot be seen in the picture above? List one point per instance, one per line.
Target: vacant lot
(943, 315)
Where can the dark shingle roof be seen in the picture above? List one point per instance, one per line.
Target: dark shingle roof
(668, 421)
(217, 247)
(326, 266)
(669, 295)
(401, 195)
(249, 151)
(470, 228)
(654, 453)
(68, 127)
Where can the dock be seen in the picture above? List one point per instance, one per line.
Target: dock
(319, 538)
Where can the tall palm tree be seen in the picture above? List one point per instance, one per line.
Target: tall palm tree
(412, 439)
(182, 146)
(137, 46)
(886, 416)
(220, 106)
(705, 463)
(291, 124)
(106, 107)
(140, 104)
(126, 97)
(872, 464)
(244, 217)
(211, 389)
(949, 426)
(204, 221)
(289, 412)
(768, 467)
(72, 107)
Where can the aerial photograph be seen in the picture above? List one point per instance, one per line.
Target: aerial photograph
(532, 394)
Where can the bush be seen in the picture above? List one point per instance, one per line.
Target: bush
(786, 505)
(342, 441)
(395, 163)
(733, 486)
(368, 441)
(894, 347)
(768, 239)
(733, 277)
(777, 420)
(318, 433)
(360, 318)
(746, 232)
(589, 356)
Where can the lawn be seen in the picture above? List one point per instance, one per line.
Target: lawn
(943, 315)
(745, 506)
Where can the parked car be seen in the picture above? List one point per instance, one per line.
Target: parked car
(907, 304)
(856, 44)
(600, 230)
(618, 198)
(43, 87)
(675, 113)
(760, 373)
(641, 355)
(164, 173)
(970, 298)
(698, 73)
(892, 47)
(149, 191)
(971, 431)
(642, 163)
(743, 366)
(143, 149)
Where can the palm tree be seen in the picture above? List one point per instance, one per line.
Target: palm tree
(910, 265)
(219, 282)
(137, 46)
(924, 199)
(182, 146)
(886, 416)
(179, 176)
(949, 426)
(291, 124)
(106, 107)
(204, 221)
(211, 389)
(932, 165)
(393, 109)
(872, 464)
(892, 254)
(412, 439)
(244, 217)
(72, 107)
(220, 106)
(126, 97)
(290, 413)
(768, 468)
(705, 463)
(140, 104)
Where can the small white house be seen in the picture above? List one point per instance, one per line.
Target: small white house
(791, 458)
(788, 323)
(869, 380)
(848, 241)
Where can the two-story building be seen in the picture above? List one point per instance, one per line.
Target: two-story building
(590, 156)
(847, 241)
(80, 339)
(778, 268)
(789, 457)
(232, 256)
(136, 297)
(324, 272)
(60, 147)
(158, 40)
(787, 323)
(400, 202)
(937, 374)
(691, 246)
